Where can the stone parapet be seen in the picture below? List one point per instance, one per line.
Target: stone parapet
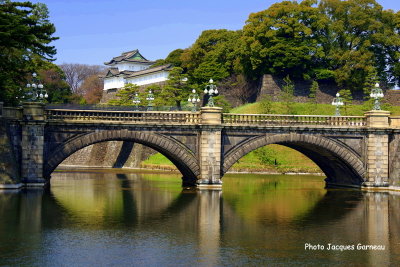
(33, 111)
(211, 115)
(377, 118)
(394, 121)
(12, 113)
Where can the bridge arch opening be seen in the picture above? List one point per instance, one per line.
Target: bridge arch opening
(341, 165)
(182, 157)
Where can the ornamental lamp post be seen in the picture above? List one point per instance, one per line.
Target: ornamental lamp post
(194, 99)
(337, 101)
(136, 102)
(376, 93)
(211, 89)
(150, 99)
(36, 91)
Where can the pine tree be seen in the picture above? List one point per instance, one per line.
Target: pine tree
(25, 34)
(347, 98)
(125, 95)
(313, 91)
(369, 83)
(176, 88)
(287, 96)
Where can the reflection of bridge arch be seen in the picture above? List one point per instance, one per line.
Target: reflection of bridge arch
(133, 201)
(183, 158)
(341, 165)
(333, 207)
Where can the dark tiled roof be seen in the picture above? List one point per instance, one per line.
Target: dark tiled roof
(150, 70)
(113, 72)
(130, 56)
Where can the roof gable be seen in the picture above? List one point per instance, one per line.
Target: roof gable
(130, 56)
(135, 54)
(111, 72)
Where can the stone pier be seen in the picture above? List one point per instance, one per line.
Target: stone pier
(377, 149)
(33, 144)
(210, 147)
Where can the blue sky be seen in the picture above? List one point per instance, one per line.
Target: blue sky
(94, 31)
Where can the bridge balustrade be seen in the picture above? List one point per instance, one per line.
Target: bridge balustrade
(12, 113)
(292, 120)
(180, 117)
(123, 116)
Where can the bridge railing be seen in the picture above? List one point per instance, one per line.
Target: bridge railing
(292, 120)
(12, 113)
(178, 117)
(105, 107)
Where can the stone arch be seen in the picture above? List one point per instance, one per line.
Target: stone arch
(183, 158)
(342, 166)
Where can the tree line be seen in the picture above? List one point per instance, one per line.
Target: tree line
(353, 43)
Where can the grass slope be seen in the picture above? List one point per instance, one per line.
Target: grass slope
(311, 109)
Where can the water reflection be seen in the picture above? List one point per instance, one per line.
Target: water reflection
(126, 219)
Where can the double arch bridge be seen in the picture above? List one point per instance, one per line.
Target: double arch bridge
(352, 151)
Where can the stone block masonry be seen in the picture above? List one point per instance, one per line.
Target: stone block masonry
(378, 160)
(210, 147)
(358, 151)
(210, 157)
(394, 160)
(32, 144)
(108, 155)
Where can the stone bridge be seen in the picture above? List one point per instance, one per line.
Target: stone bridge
(352, 151)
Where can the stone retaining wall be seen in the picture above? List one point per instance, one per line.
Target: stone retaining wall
(112, 154)
(272, 86)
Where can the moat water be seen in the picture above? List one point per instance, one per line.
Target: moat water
(130, 219)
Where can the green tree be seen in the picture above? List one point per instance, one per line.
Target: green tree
(369, 82)
(340, 40)
(313, 91)
(287, 95)
(389, 67)
(176, 89)
(158, 99)
(173, 58)
(281, 40)
(213, 55)
(313, 96)
(220, 101)
(209, 70)
(347, 99)
(125, 95)
(25, 32)
(53, 79)
(266, 105)
(356, 37)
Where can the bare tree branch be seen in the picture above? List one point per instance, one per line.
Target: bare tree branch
(76, 73)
